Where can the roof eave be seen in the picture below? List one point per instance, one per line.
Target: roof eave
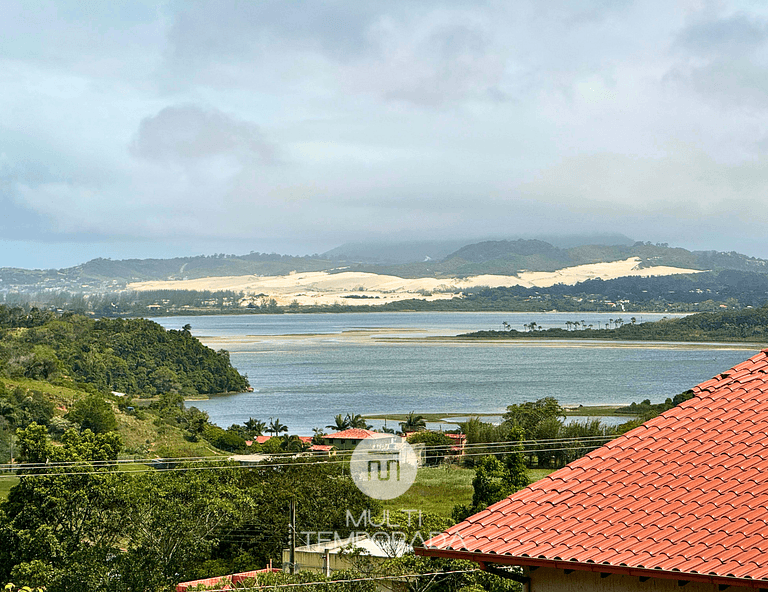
(484, 558)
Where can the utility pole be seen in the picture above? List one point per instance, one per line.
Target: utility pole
(292, 536)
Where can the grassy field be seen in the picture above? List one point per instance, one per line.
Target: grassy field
(5, 485)
(438, 489)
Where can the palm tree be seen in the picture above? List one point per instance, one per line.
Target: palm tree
(275, 427)
(413, 423)
(317, 438)
(357, 421)
(255, 427)
(342, 423)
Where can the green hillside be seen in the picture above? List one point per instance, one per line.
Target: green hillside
(131, 356)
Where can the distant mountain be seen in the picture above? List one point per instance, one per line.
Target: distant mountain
(106, 274)
(452, 258)
(509, 257)
(378, 253)
(398, 253)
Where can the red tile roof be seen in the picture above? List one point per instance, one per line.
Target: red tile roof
(683, 496)
(225, 582)
(352, 434)
(320, 447)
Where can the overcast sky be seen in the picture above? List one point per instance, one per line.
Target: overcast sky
(181, 128)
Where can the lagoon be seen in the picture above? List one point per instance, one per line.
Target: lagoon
(307, 368)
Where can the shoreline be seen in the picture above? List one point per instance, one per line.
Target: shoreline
(571, 411)
(385, 337)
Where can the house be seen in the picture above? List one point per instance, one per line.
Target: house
(229, 582)
(327, 556)
(348, 439)
(680, 501)
(459, 443)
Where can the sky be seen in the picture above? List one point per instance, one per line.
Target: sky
(157, 129)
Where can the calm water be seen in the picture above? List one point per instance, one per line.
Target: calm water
(305, 369)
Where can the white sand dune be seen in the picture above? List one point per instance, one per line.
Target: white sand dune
(321, 287)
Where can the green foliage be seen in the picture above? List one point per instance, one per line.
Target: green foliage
(647, 410)
(35, 447)
(536, 418)
(133, 356)
(20, 407)
(438, 445)
(494, 480)
(413, 423)
(224, 439)
(93, 413)
(350, 420)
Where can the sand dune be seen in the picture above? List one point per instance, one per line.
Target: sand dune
(321, 287)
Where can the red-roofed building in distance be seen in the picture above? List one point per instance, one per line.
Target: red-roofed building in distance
(230, 582)
(348, 439)
(459, 442)
(257, 440)
(680, 500)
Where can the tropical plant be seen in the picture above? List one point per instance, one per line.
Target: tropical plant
(275, 427)
(255, 427)
(340, 424)
(413, 423)
(357, 421)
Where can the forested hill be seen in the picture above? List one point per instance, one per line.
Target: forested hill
(132, 356)
(503, 257)
(748, 325)
(508, 257)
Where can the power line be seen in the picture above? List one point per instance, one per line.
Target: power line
(264, 465)
(348, 581)
(299, 457)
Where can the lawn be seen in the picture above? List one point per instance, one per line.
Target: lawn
(438, 489)
(5, 485)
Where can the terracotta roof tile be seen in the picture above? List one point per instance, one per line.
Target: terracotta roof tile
(687, 492)
(353, 434)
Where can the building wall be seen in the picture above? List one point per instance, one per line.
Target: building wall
(556, 580)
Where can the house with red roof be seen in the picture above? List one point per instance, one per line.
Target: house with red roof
(348, 439)
(229, 582)
(680, 501)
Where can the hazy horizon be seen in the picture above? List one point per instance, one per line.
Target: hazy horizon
(158, 129)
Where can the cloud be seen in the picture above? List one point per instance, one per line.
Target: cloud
(190, 133)
(725, 59)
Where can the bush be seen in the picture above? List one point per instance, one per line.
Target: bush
(93, 413)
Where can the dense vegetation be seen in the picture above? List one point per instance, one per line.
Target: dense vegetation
(701, 292)
(98, 287)
(132, 356)
(748, 325)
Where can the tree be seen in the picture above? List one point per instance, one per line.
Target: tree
(275, 427)
(340, 424)
(93, 413)
(255, 427)
(437, 445)
(530, 414)
(494, 480)
(46, 519)
(357, 421)
(174, 521)
(413, 423)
